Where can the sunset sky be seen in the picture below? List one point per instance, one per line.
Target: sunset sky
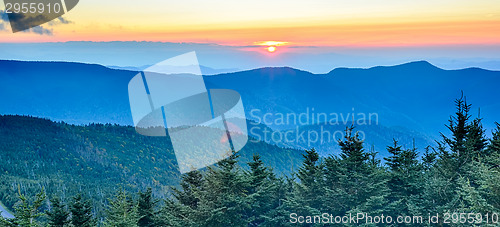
(305, 23)
(313, 26)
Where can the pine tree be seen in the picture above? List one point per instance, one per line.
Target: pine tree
(468, 199)
(494, 146)
(146, 209)
(468, 141)
(191, 184)
(258, 172)
(58, 215)
(26, 214)
(405, 179)
(311, 186)
(354, 180)
(476, 139)
(352, 153)
(183, 210)
(81, 212)
(429, 158)
(122, 211)
(265, 193)
(458, 126)
(223, 200)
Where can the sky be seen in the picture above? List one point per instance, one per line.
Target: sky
(395, 29)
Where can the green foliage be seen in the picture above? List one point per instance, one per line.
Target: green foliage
(96, 159)
(81, 212)
(146, 209)
(58, 215)
(27, 214)
(460, 174)
(494, 146)
(122, 211)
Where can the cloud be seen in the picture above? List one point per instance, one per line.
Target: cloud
(59, 20)
(64, 21)
(40, 30)
(3, 16)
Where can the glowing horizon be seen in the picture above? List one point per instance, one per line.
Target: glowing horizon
(290, 23)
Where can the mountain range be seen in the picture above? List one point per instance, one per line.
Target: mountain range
(414, 99)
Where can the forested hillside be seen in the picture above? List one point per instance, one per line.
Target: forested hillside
(459, 180)
(96, 160)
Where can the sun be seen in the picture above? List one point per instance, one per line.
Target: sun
(271, 49)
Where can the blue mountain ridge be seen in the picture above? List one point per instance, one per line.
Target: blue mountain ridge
(415, 99)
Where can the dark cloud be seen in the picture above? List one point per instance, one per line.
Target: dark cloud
(3, 16)
(64, 21)
(40, 30)
(59, 20)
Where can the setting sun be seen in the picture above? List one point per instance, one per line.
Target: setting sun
(271, 49)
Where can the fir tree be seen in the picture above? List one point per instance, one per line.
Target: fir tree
(405, 178)
(26, 214)
(191, 184)
(258, 172)
(81, 212)
(122, 211)
(58, 215)
(458, 126)
(429, 158)
(265, 192)
(311, 185)
(352, 153)
(476, 139)
(494, 146)
(146, 209)
(223, 200)
(358, 183)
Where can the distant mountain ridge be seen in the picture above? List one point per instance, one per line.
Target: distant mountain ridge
(414, 97)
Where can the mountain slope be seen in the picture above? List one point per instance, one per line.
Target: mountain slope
(65, 159)
(414, 97)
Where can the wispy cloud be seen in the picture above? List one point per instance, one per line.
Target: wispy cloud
(41, 30)
(59, 20)
(3, 19)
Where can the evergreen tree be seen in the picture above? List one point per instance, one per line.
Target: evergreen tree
(468, 199)
(81, 212)
(122, 211)
(458, 126)
(494, 146)
(58, 215)
(191, 184)
(311, 184)
(429, 158)
(258, 172)
(223, 200)
(26, 214)
(352, 153)
(355, 182)
(146, 209)
(404, 179)
(265, 193)
(476, 139)
(468, 141)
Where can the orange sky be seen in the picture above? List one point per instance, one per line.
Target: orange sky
(316, 23)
